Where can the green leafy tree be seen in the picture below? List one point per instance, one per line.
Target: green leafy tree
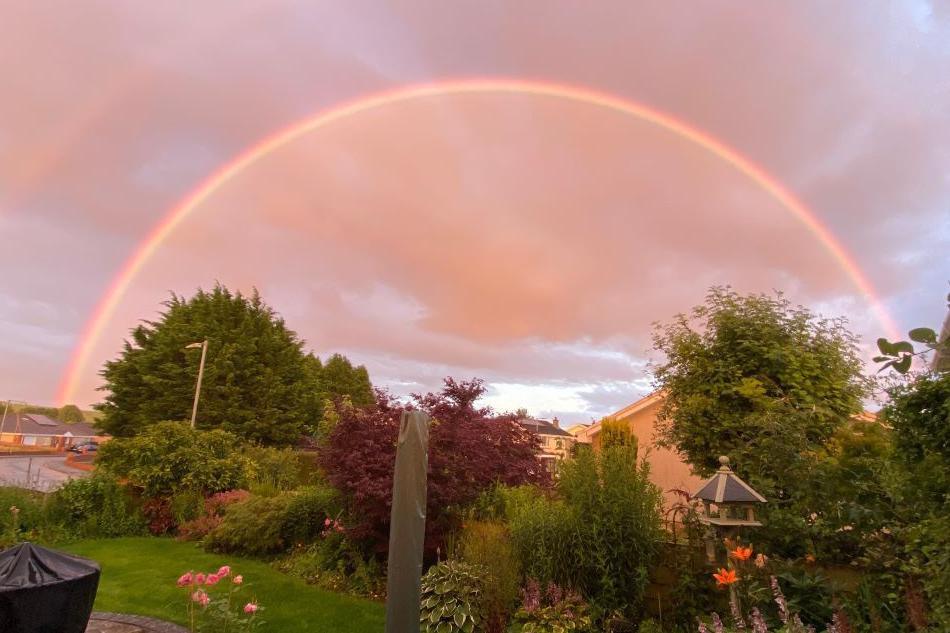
(900, 355)
(919, 414)
(759, 380)
(70, 414)
(257, 384)
(767, 384)
(338, 377)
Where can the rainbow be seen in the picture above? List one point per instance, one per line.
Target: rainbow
(246, 159)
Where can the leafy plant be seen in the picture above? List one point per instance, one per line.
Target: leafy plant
(214, 602)
(171, 456)
(96, 506)
(553, 610)
(488, 545)
(451, 598)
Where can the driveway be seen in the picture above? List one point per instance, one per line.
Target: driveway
(37, 473)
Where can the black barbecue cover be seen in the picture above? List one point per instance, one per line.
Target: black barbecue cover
(44, 591)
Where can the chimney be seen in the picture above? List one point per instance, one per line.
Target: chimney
(556, 424)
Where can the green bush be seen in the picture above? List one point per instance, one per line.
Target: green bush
(451, 594)
(269, 525)
(253, 527)
(273, 469)
(96, 506)
(542, 534)
(487, 545)
(29, 518)
(70, 414)
(171, 456)
(336, 563)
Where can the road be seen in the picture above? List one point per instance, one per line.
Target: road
(38, 473)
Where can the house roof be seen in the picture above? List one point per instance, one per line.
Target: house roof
(36, 424)
(542, 427)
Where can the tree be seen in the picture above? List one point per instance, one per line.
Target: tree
(338, 377)
(900, 355)
(919, 414)
(70, 414)
(769, 385)
(256, 381)
(469, 451)
(759, 380)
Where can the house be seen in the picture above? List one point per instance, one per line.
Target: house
(574, 429)
(556, 443)
(667, 469)
(33, 429)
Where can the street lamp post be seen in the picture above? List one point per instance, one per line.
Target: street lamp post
(201, 370)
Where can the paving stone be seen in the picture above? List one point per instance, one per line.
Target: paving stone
(101, 622)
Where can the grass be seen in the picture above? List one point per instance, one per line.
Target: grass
(139, 575)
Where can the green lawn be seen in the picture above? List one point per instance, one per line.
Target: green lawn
(139, 575)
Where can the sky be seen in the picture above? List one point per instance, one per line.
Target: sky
(526, 239)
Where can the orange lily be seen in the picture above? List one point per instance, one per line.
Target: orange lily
(725, 576)
(742, 553)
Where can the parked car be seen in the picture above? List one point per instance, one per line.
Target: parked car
(85, 447)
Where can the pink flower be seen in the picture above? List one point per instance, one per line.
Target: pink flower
(327, 522)
(237, 580)
(185, 579)
(212, 579)
(250, 607)
(200, 579)
(224, 571)
(201, 598)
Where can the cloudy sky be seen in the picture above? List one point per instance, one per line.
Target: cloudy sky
(527, 239)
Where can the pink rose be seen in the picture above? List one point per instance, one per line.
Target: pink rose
(200, 579)
(224, 571)
(250, 607)
(327, 522)
(185, 579)
(237, 580)
(201, 598)
(212, 579)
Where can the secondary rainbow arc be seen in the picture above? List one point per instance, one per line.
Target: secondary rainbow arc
(106, 306)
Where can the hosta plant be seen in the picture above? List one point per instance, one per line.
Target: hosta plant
(552, 610)
(450, 598)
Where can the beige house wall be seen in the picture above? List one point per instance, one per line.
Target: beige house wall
(668, 470)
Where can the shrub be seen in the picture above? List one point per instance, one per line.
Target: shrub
(252, 527)
(214, 508)
(30, 515)
(171, 456)
(96, 506)
(70, 414)
(273, 468)
(451, 593)
(269, 525)
(336, 563)
(487, 545)
(616, 517)
(543, 534)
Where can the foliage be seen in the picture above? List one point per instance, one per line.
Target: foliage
(543, 534)
(615, 432)
(469, 451)
(22, 512)
(171, 456)
(96, 506)
(900, 355)
(336, 563)
(142, 573)
(50, 412)
(254, 527)
(257, 382)
(273, 468)
(766, 383)
(487, 545)
(760, 381)
(214, 508)
(70, 414)
(616, 516)
(268, 525)
(919, 413)
(451, 598)
(553, 610)
(214, 602)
